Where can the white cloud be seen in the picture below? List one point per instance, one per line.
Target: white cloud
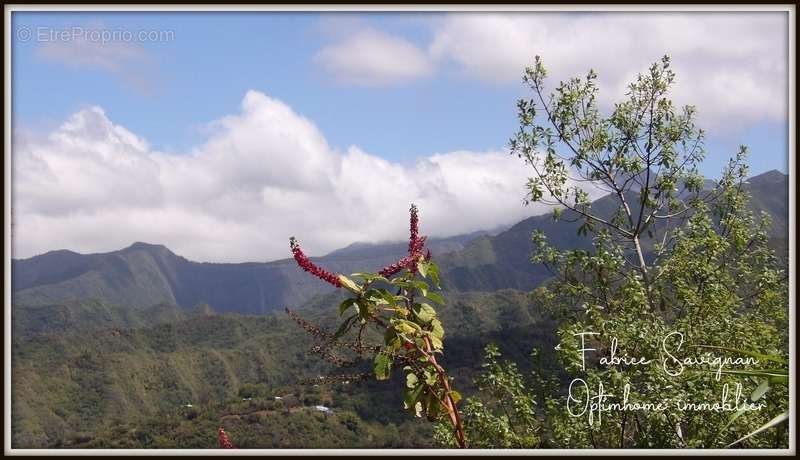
(373, 58)
(263, 174)
(76, 168)
(732, 66)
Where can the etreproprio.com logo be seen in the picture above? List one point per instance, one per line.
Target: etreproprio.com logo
(77, 33)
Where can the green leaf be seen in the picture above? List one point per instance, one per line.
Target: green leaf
(424, 312)
(760, 391)
(436, 298)
(422, 267)
(382, 366)
(781, 379)
(420, 285)
(376, 297)
(433, 271)
(370, 277)
(402, 283)
(436, 329)
(434, 407)
(349, 284)
(388, 296)
(412, 397)
(345, 305)
(391, 340)
(345, 326)
(365, 309)
(456, 396)
(405, 327)
(436, 343)
(411, 380)
(430, 377)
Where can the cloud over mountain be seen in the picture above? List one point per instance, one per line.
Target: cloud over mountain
(262, 175)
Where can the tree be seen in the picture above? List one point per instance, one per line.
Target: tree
(646, 154)
(679, 269)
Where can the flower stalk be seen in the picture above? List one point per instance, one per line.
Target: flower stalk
(412, 334)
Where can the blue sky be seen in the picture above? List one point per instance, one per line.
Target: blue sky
(216, 57)
(400, 87)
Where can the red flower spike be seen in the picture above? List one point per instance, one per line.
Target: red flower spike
(390, 270)
(224, 440)
(415, 246)
(306, 264)
(413, 230)
(405, 262)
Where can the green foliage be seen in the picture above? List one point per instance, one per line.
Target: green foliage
(142, 381)
(710, 275)
(502, 414)
(250, 390)
(769, 379)
(255, 428)
(122, 388)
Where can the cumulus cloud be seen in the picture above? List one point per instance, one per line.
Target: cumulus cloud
(373, 58)
(262, 175)
(732, 66)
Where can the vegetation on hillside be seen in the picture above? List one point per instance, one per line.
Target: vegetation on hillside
(668, 290)
(682, 345)
(84, 386)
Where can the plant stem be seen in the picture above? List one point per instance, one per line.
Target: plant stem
(455, 417)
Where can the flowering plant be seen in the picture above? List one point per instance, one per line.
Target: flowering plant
(398, 302)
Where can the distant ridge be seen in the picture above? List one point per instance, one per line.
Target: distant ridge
(503, 261)
(144, 274)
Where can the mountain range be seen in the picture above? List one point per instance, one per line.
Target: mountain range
(144, 275)
(142, 348)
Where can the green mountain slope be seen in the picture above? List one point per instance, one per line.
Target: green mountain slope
(143, 275)
(100, 386)
(503, 261)
(76, 315)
